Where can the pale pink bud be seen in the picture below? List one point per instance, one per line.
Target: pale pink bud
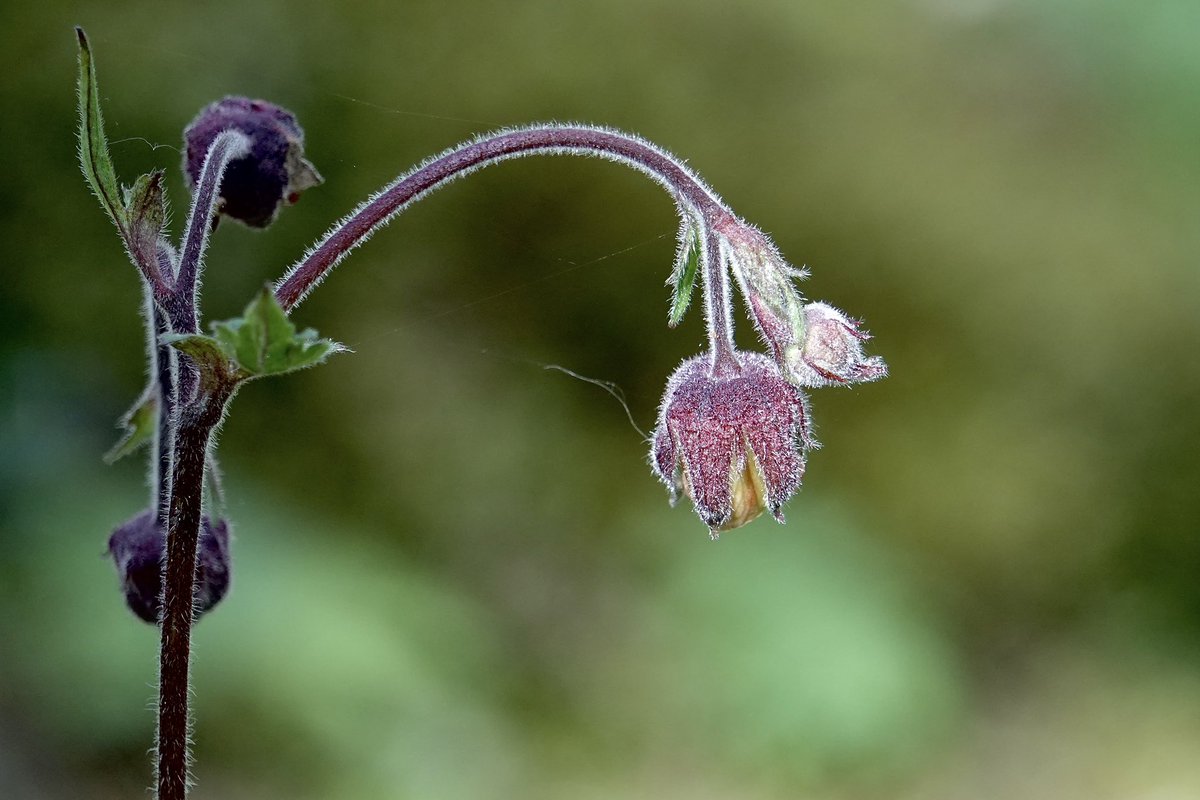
(831, 351)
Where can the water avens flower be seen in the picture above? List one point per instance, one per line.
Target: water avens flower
(735, 442)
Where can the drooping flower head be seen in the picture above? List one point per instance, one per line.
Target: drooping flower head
(735, 443)
(734, 428)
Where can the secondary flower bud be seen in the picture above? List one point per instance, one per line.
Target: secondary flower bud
(275, 171)
(137, 549)
(832, 350)
(732, 443)
(814, 344)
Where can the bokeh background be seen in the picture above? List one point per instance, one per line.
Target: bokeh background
(455, 574)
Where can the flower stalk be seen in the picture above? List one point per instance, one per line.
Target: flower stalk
(182, 308)
(695, 201)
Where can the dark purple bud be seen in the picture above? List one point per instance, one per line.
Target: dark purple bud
(734, 444)
(137, 548)
(275, 171)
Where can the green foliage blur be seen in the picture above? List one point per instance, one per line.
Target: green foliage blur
(455, 576)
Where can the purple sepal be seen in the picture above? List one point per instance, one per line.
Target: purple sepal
(734, 444)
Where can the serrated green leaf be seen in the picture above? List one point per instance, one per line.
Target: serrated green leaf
(278, 334)
(139, 424)
(93, 145)
(264, 341)
(684, 276)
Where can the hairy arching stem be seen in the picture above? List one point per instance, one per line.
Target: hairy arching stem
(182, 306)
(690, 193)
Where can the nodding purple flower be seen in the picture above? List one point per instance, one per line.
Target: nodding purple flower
(275, 171)
(734, 428)
(137, 547)
(734, 442)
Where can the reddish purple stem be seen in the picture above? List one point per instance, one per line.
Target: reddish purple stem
(685, 187)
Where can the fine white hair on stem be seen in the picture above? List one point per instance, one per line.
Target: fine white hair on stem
(227, 146)
(690, 194)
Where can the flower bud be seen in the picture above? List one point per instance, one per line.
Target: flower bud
(274, 172)
(814, 344)
(831, 352)
(732, 443)
(138, 548)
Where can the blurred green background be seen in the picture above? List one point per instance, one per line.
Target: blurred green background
(455, 575)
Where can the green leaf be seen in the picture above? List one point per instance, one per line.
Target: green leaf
(261, 342)
(146, 215)
(684, 276)
(139, 423)
(265, 342)
(93, 146)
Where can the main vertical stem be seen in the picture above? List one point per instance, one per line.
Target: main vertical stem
(196, 424)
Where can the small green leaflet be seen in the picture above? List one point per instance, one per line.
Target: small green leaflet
(93, 146)
(261, 342)
(139, 423)
(684, 276)
(264, 341)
